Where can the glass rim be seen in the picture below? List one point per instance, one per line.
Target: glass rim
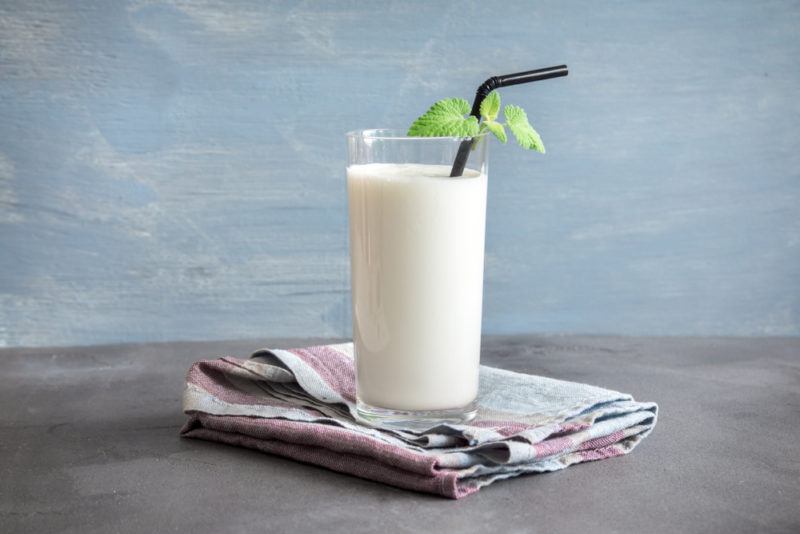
(395, 134)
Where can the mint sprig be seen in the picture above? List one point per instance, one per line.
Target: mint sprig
(446, 118)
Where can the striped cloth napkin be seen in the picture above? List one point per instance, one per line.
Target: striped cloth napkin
(300, 404)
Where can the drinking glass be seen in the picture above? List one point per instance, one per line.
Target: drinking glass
(417, 256)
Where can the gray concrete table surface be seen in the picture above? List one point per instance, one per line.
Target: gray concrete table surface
(89, 443)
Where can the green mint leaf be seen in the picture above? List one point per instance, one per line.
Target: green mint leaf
(517, 121)
(445, 119)
(497, 129)
(490, 106)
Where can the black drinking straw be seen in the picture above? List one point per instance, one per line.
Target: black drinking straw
(490, 85)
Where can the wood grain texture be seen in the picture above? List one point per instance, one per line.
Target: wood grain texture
(174, 170)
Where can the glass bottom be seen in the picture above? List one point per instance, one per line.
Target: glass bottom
(413, 419)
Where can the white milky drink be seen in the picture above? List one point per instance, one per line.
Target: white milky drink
(417, 252)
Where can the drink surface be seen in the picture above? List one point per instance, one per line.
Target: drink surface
(417, 251)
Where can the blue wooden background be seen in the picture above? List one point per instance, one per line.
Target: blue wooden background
(174, 170)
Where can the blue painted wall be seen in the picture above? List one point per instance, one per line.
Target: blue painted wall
(174, 170)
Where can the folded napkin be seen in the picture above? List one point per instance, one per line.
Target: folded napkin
(300, 403)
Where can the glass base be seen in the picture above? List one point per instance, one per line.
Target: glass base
(413, 419)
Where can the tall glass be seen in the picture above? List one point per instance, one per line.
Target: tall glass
(416, 251)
